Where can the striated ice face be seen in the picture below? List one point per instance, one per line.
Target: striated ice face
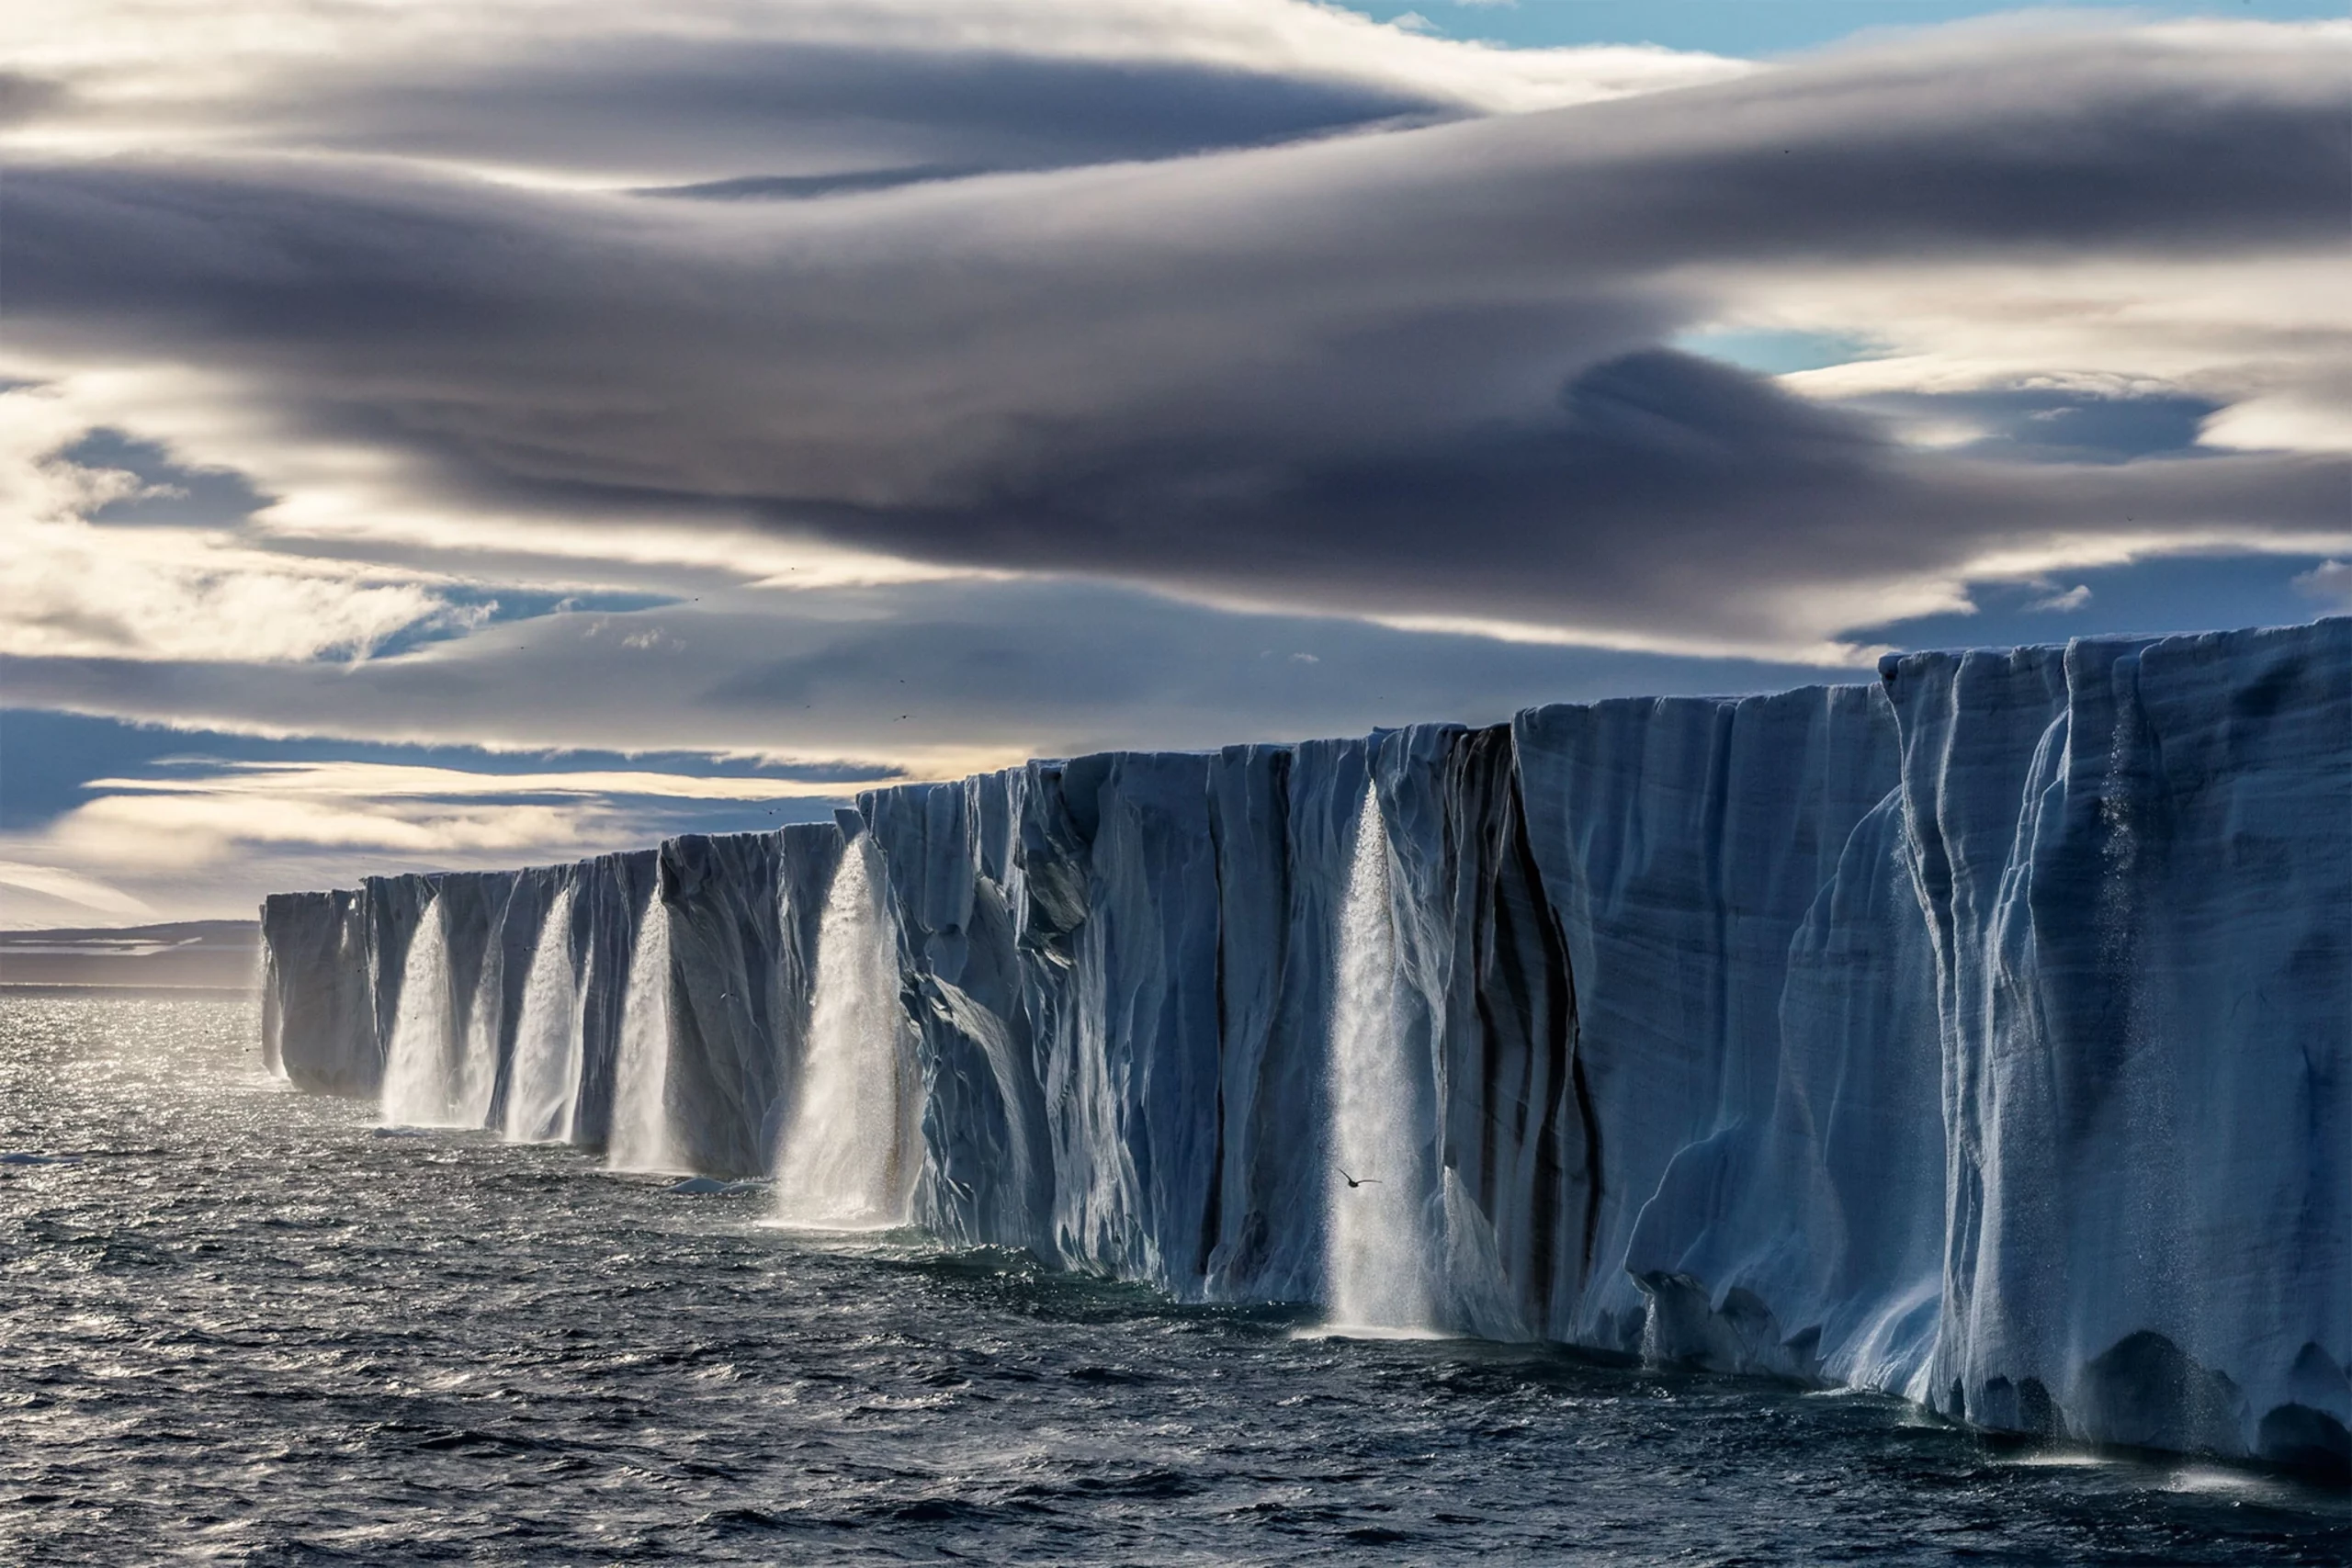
(1984, 1034)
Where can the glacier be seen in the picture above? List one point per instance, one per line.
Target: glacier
(1982, 1036)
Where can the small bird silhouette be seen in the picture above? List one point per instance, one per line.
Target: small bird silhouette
(1356, 1181)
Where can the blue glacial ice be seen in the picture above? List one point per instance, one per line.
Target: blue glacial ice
(1982, 1036)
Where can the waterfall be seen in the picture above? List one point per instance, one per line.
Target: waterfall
(845, 1161)
(476, 1085)
(416, 1065)
(640, 1132)
(434, 1075)
(1376, 1263)
(543, 1093)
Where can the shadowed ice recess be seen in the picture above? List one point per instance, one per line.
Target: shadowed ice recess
(1982, 1035)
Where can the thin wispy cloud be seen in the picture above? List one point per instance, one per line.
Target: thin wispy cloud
(390, 781)
(2330, 583)
(141, 839)
(2064, 602)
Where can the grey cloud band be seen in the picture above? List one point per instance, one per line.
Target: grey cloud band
(1412, 372)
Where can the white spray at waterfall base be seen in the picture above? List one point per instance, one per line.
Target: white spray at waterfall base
(543, 1090)
(846, 1161)
(1376, 1249)
(641, 1137)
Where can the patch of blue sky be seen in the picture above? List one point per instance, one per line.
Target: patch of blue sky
(2038, 425)
(1778, 352)
(172, 494)
(1754, 29)
(2021, 423)
(2166, 595)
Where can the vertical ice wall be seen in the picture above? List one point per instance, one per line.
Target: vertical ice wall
(549, 1063)
(439, 995)
(1984, 1034)
(2135, 865)
(317, 993)
(1684, 844)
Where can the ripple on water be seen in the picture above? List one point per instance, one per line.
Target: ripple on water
(249, 1326)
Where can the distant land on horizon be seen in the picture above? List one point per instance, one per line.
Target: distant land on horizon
(180, 954)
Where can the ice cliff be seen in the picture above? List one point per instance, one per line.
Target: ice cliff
(1984, 1035)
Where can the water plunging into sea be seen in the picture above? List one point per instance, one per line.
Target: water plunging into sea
(244, 1325)
(542, 1099)
(1377, 1266)
(847, 1158)
(640, 1135)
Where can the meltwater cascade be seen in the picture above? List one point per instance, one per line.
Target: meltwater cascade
(543, 1091)
(1378, 1258)
(420, 1088)
(847, 1163)
(640, 1136)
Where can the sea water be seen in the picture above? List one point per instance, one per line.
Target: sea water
(244, 1325)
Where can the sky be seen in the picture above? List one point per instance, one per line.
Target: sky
(445, 434)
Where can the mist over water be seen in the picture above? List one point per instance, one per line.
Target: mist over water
(243, 1326)
(846, 1161)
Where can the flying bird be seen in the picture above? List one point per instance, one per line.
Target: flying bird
(1355, 1181)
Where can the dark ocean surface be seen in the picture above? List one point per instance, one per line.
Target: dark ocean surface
(239, 1324)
